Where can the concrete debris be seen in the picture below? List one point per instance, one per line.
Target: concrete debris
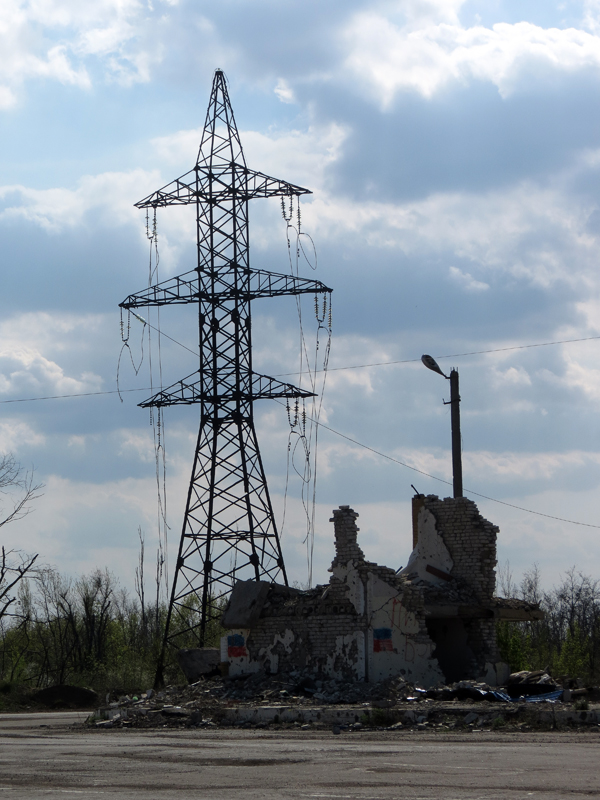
(289, 699)
(243, 611)
(530, 683)
(198, 662)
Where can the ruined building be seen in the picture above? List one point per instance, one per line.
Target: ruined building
(431, 622)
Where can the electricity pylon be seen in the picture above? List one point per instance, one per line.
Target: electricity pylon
(229, 530)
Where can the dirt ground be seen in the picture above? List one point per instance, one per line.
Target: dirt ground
(44, 756)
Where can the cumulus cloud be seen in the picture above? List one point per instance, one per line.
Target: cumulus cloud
(110, 196)
(31, 348)
(302, 154)
(284, 92)
(467, 281)
(544, 237)
(530, 234)
(390, 58)
(15, 433)
(56, 40)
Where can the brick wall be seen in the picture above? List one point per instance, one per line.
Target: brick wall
(333, 629)
(471, 541)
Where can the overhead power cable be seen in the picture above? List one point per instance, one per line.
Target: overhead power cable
(449, 483)
(330, 369)
(78, 394)
(354, 441)
(418, 360)
(453, 355)
(343, 436)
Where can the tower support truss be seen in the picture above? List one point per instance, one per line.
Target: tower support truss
(229, 530)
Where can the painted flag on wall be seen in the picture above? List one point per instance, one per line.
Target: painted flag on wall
(382, 640)
(236, 646)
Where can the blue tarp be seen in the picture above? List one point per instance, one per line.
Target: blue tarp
(539, 698)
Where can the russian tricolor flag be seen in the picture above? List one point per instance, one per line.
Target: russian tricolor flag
(236, 646)
(382, 640)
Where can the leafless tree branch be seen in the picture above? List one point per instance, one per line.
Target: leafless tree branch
(14, 477)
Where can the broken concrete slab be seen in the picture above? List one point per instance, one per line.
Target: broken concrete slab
(199, 662)
(245, 604)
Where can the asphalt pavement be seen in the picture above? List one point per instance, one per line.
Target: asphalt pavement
(52, 755)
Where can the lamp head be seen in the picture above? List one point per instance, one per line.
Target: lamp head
(432, 364)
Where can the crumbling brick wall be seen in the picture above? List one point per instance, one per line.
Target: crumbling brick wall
(471, 541)
(345, 531)
(370, 623)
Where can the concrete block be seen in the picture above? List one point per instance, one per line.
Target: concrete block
(326, 715)
(198, 661)
(245, 604)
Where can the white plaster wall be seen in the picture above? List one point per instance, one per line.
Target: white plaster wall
(238, 665)
(406, 657)
(430, 550)
(356, 590)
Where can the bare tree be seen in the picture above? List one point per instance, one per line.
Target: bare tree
(18, 487)
(505, 586)
(13, 568)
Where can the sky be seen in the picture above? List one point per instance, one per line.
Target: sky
(453, 152)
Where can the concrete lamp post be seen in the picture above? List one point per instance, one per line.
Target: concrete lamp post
(454, 404)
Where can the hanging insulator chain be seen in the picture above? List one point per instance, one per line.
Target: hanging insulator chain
(320, 319)
(125, 338)
(287, 214)
(296, 412)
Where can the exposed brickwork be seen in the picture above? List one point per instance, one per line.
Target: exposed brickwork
(346, 534)
(341, 629)
(471, 541)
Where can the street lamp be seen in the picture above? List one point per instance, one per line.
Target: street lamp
(454, 404)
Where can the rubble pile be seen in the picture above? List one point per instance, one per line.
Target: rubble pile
(260, 700)
(537, 682)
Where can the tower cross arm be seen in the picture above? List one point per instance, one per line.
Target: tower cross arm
(266, 388)
(185, 288)
(179, 290)
(189, 391)
(205, 184)
(260, 185)
(274, 284)
(180, 192)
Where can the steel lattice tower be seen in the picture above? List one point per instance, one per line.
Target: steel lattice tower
(229, 529)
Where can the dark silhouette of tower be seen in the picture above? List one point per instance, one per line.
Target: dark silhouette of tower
(229, 529)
